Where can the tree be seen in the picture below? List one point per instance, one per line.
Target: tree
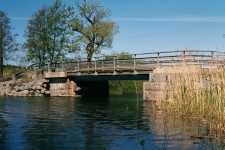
(122, 55)
(94, 29)
(49, 34)
(7, 42)
(36, 42)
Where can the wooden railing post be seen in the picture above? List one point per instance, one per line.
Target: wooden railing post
(212, 57)
(223, 59)
(114, 64)
(62, 65)
(78, 66)
(158, 54)
(102, 65)
(88, 63)
(49, 70)
(134, 64)
(184, 55)
(96, 67)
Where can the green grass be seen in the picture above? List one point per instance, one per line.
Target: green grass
(125, 87)
(9, 71)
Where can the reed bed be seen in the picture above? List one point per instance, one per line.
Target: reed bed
(193, 92)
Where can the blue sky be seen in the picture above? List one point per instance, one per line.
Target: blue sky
(147, 25)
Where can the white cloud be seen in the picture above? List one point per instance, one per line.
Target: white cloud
(215, 19)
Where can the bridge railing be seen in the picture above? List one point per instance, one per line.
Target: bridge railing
(140, 62)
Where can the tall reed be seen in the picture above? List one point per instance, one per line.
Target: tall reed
(193, 92)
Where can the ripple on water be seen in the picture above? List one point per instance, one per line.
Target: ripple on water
(71, 123)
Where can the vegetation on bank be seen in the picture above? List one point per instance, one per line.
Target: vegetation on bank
(195, 93)
(10, 70)
(125, 87)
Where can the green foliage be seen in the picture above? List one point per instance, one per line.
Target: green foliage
(49, 35)
(95, 31)
(7, 42)
(125, 87)
(56, 31)
(10, 70)
(122, 55)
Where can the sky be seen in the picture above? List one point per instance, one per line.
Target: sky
(146, 25)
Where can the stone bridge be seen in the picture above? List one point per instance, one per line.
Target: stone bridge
(92, 77)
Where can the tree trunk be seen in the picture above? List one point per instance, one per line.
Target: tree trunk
(1, 60)
(89, 57)
(1, 52)
(90, 51)
(1, 67)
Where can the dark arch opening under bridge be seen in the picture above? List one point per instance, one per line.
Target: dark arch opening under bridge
(109, 77)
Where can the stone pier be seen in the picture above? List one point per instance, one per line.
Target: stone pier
(155, 88)
(60, 84)
(164, 81)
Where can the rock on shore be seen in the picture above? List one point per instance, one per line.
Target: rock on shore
(21, 88)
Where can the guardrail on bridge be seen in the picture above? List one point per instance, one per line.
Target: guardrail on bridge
(138, 63)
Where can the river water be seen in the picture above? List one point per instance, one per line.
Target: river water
(115, 123)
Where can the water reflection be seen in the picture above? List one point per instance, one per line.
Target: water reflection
(3, 127)
(73, 123)
(178, 133)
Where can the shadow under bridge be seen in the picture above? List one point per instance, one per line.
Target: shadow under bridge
(98, 85)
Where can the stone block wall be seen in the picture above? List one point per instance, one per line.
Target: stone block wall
(22, 88)
(155, 88)
(66, 88)
(159, 86)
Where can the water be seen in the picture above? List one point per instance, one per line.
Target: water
(118, 123)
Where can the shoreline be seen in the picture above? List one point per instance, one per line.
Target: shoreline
(38, 87)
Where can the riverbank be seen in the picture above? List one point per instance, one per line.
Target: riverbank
(125, 87)
(27, 83)
(37, 87)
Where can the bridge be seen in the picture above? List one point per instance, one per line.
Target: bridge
(126, 67)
